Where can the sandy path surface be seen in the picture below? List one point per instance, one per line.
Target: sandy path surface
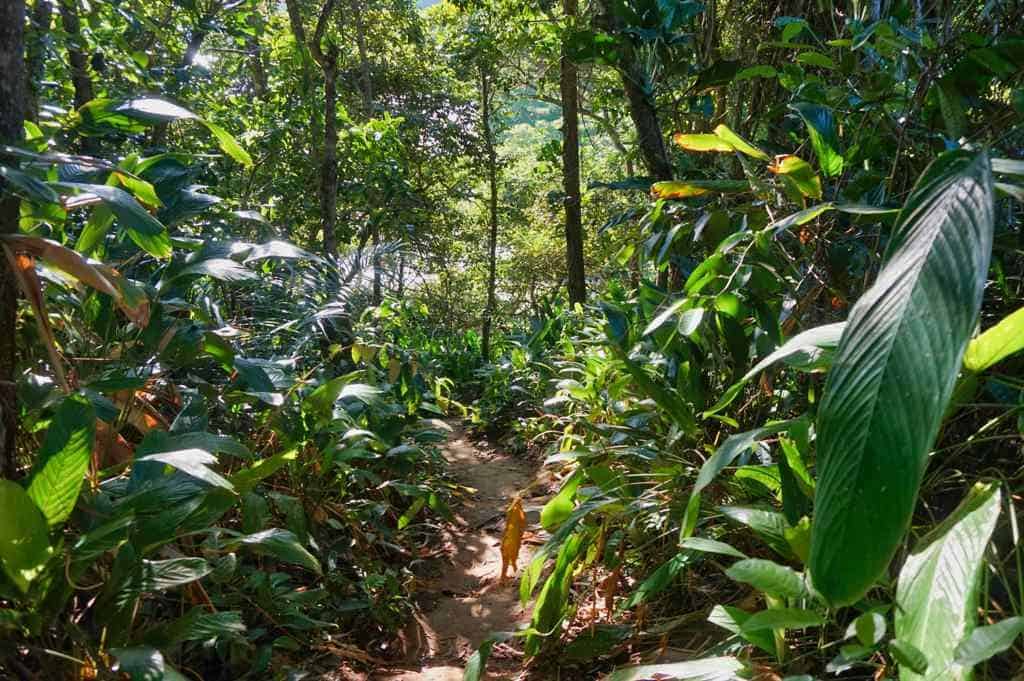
(471, 602)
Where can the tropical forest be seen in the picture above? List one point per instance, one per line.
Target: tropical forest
(511, 340)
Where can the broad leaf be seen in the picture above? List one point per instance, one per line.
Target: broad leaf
(937, 591)
(986, 642)
(768, 577)
(221, 269)
(782, 618)
(283, 545)
(734, 446)
(893, 374)
(822, 128)
(24, 542)
(194, 462)
(63, 460)
(798, 174)
(144, 229)
(996, 344)
(560, 507)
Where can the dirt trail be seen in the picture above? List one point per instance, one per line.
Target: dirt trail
(471, 602)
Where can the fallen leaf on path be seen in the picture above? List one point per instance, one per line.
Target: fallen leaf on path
(512, 540)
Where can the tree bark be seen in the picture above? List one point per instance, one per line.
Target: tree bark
(328, 63)
(641, 105)
(12, 103)
(80, 79)
(569, 86)
(329, 164)
(35, 55)
(364, 60)
(492, 183)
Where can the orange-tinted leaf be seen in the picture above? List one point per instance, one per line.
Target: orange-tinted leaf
(512, 540)
(24, 267)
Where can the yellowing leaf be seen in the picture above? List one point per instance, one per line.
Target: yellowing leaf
(724, 133)
(702, 142)
(676, 190)
(512, 540)
(798, 173)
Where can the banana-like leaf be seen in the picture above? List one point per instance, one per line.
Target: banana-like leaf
(893, 374)
(61, 464)
(937, 592)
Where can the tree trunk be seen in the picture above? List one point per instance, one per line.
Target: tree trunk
(329, 164)
(377, 284)
(35, 55)
(80, 79)
(569, 86)
(641, 106)
(364, 60)
(645, 119)
(12, 103)
(328, 63)
(492, 183)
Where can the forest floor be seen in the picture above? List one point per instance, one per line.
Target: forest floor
(466, 601)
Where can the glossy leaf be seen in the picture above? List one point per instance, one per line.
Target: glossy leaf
(734, 446)
(561, 505)
(63, 460)
(821, 126)
(145, 230)
(996, 343)
(24, 542)
(902, 346)
(768, 577)
(937, 591)
(282, 545)
(702, 142)
(798, 174)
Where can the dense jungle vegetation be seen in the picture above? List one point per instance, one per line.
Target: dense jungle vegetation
(744, 280)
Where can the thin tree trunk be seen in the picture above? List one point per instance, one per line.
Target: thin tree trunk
(377, 287)
(12, 103)
(492, 183)
(80, 79)
(328, 63)
(364, 60)
(329, 164)
(569, 87)
(35, 55)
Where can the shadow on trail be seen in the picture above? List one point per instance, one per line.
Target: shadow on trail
(471, 602)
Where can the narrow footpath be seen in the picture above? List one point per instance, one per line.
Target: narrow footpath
(467, 602)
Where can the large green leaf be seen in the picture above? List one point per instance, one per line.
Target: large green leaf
(997, 343)
(152, 110)
(822, 128)
(937, 592)
(733, 446)
(144, 229)
(57, 475)
(986, 642)
(560, 507)
(24, 536)
(280, 544)
(893, 374)
(768, 577)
